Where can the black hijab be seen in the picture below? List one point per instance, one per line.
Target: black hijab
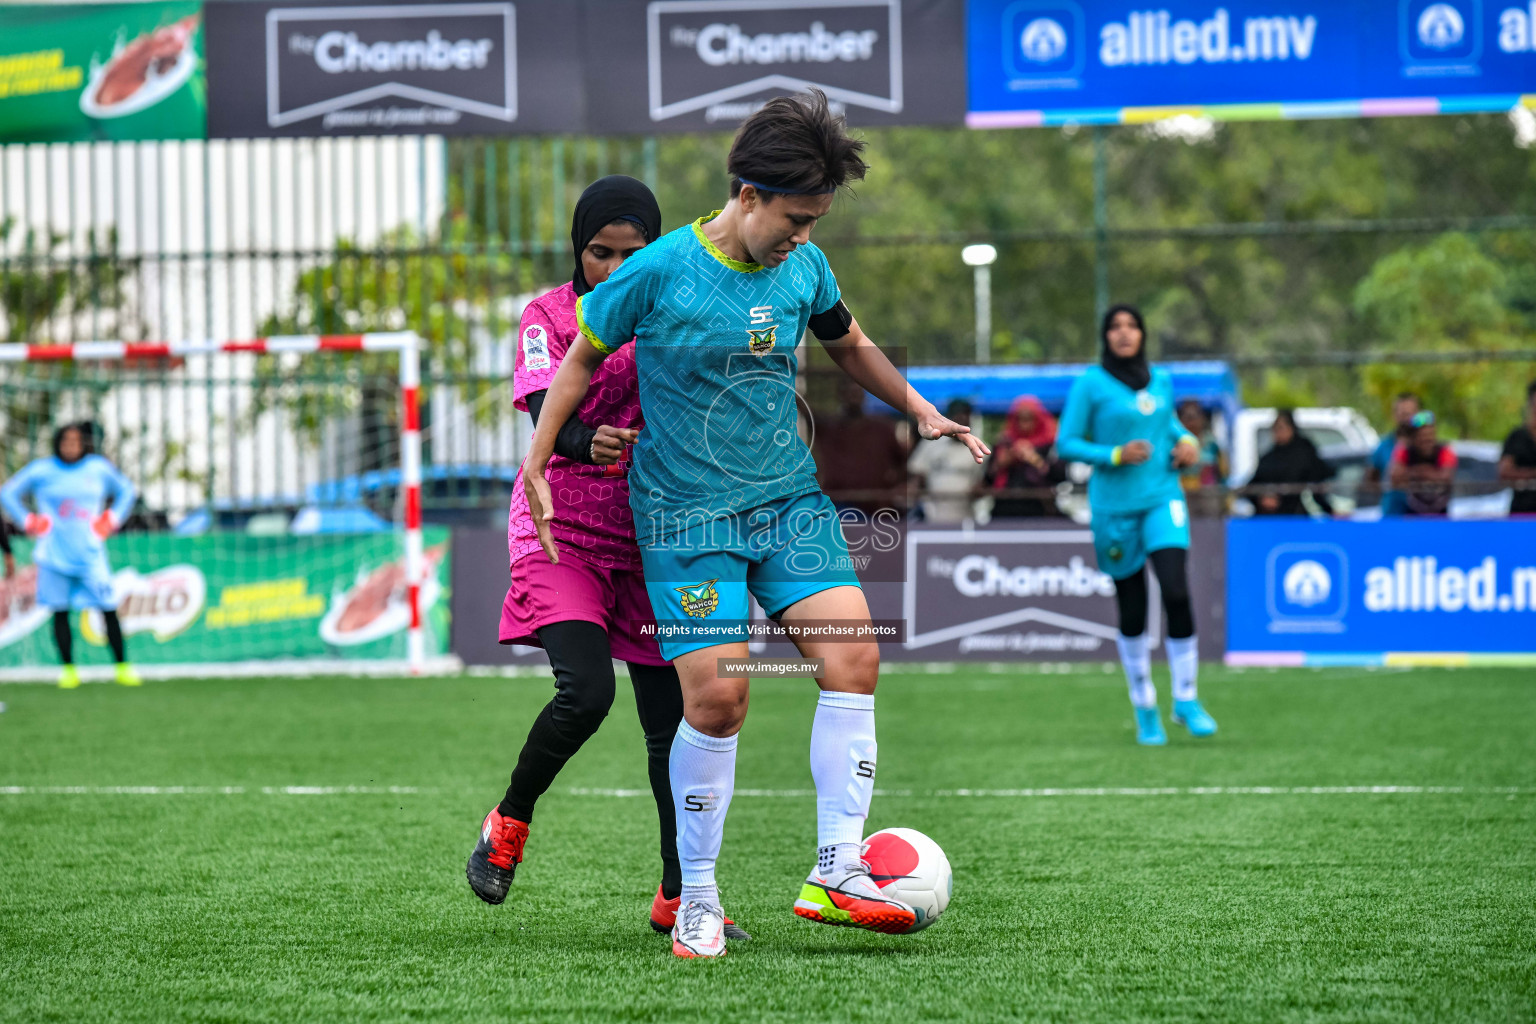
(1133, 372)
(87, 431)
(616, 197)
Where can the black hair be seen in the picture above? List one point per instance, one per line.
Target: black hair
(1409, 396)
(1530, 391)
(957, 405)
(1289, 415)
(795, 145)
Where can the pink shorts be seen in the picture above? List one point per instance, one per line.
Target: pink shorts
(541, 594)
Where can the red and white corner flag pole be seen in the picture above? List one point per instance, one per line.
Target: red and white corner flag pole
(410, 481)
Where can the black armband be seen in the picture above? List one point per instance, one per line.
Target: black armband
(832, 324)
(574, 441)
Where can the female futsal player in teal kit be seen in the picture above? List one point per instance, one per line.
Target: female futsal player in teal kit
(1120, 419)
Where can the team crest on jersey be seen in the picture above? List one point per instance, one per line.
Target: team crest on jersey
(701, 599)
(1146, 403)
(763, 334)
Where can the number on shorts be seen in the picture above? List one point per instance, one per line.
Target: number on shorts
(1177, 512)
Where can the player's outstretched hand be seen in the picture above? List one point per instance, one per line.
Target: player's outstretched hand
(1185, 453)
(541, 506)
(935, 425)
(608, 444)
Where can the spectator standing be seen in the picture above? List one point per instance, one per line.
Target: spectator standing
(1517, 463)
(947, 473)
(1424, 468)
(1405, 407)
(861, 458)
(1023, 460)
(1292, 463)
(1202, 480)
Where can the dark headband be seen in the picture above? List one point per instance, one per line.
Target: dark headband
(780, 190)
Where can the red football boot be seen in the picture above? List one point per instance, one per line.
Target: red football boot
(664, 916)
(496, 857)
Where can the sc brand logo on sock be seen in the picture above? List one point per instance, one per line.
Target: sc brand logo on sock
(700, 802)
(866, 770)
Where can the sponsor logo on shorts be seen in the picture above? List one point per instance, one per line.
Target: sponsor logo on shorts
(699, 600)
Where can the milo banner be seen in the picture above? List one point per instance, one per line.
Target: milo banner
(77, 72)
(231, 598)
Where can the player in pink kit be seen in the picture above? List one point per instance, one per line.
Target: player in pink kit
(581, 610)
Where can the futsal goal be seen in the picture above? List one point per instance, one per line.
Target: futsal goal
(278, 526)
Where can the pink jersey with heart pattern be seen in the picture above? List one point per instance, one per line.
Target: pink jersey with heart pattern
(592, 512)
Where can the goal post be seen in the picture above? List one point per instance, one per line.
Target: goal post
(256, 442)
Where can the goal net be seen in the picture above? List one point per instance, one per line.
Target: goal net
(278, 522)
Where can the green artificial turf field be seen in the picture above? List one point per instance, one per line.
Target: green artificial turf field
(260, 904)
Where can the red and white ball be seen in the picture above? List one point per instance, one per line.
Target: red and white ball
(910, 867)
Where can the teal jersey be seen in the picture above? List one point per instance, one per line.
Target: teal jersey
(715, 346)
(1101, 415)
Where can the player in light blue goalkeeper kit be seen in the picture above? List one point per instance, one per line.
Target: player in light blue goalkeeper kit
(70, 522)
(725, 497)
(1120, 419)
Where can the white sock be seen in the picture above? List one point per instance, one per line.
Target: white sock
(1184, 664)
(843, 754)
(703, 772)
(1137, 659)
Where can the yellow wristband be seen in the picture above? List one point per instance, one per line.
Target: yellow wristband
(1114, 456)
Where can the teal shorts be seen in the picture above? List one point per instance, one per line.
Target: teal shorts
(1121, 540)
(699, 579)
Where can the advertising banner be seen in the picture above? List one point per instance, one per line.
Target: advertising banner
(232, 597)
(78, 72)
(482, 68)
(1043, 62)
(711, 63)
(1022, 590)
(581, 66)
(1395, 592)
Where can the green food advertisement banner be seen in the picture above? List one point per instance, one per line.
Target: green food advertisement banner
(231, 597)
(86, 72)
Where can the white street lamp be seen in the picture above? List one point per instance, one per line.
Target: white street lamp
(981, 256)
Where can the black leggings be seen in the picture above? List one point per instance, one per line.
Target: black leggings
(1173, 578)
(584, 691)
(65, 640)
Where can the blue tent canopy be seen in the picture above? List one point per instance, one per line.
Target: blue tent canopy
(991, 389)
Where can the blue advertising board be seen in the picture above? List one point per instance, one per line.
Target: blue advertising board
(1044, 62)
(1394, 592)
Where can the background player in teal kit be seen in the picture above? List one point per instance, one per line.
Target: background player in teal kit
(725, 496)
(1120, 419)
(70, 522)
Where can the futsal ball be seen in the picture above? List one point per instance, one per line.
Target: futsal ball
(910, 867)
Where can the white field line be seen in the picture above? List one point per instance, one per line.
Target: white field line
(209, 790)
(1114, 791)
(795, 794)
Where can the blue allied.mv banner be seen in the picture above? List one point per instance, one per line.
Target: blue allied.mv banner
(1394, 592)
(1042, 62)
